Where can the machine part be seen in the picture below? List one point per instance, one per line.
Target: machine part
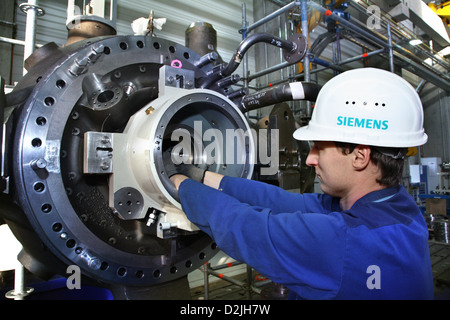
(201, 37)
(196, 113)
(97, 152)
(295, 55)
(294, 51)
(94, 20)
(286, 92)
(82, 28)
(442, 231)
(76, 122)
(39, 55)
(364, 106)
(293, 173)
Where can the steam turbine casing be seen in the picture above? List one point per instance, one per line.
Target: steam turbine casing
(67, 213)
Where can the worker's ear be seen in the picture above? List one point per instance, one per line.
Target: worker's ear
(361, 157)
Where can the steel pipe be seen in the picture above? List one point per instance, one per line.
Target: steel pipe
(270, 17)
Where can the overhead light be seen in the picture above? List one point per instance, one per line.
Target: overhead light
(415, 42)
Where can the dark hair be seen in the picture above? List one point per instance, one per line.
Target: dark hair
(391, 168)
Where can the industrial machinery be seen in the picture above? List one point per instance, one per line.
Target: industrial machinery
(85, 131)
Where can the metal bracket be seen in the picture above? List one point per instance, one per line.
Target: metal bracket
(299, 52)
(177, 77)
(167, 230)
(128, 202)
(98, 152)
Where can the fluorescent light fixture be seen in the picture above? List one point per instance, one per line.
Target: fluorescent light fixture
(415, 42)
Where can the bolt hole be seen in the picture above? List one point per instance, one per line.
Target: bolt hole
(75, 115)
(105, 96)
(139, 274)
(46, 208)
(107, 50)
(140, 44)
(49, 101)
(39, 187)
(156, 45)
(104, 266)
(60, 84)
(156, 274)
(41, 121)
(188, 264)
(75, 131)
(123, 46)
(172, 49)
(121, 272)
(36, 142)
(57, 227)
(70, 243)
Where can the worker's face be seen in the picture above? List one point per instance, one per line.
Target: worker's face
(332, 167)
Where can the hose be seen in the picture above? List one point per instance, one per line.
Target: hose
(286, 92)
(286, 45)
(250, 41)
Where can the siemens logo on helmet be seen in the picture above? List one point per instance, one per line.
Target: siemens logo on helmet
(362, 123)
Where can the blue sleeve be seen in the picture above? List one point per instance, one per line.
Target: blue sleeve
(301, 251)
(262, 194)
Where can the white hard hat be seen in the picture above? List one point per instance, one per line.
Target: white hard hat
(367, 106)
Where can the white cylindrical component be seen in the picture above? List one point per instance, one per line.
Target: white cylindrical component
(298, 93)
(30, 31)
(213, 126)
(19, 276)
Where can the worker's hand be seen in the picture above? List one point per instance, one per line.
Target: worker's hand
(189, 170)
(169, 167)
(177, 179)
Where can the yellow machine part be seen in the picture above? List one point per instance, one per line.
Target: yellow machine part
(442, 10)
(314, 18)
(412, 151)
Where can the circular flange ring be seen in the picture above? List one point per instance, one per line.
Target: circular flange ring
(300, 50)
(27, 6)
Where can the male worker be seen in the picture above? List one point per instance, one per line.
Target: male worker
(364, 238)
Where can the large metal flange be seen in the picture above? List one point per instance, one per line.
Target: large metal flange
(68, 210)
(300, 50)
